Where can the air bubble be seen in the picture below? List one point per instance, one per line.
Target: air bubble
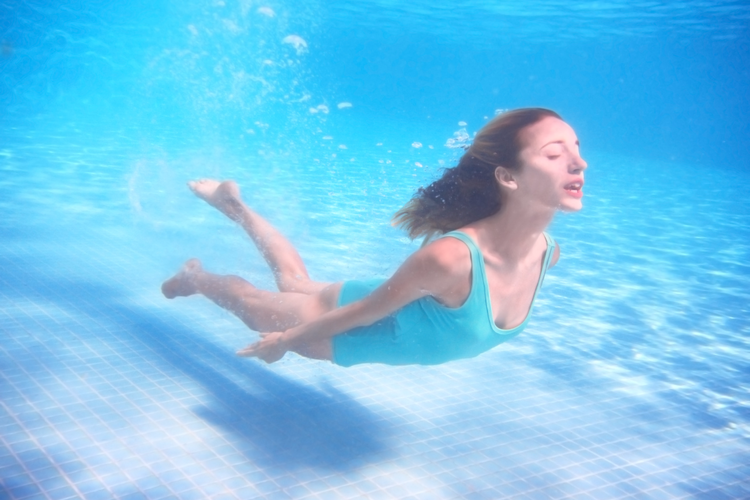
(266, 11)
(297, 42)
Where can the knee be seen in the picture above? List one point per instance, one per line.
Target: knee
(238, 285)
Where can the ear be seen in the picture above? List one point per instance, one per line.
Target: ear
(505, 178)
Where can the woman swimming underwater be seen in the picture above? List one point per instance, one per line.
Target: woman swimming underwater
(459, 295)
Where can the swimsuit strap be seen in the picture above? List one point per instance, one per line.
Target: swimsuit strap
(460, 235)
(545, 265)
(477, 260)
(478, 293)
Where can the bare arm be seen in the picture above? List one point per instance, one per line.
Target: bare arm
(432, 270)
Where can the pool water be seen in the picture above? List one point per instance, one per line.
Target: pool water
(630, 380)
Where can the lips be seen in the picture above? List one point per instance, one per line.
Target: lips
(575, 188)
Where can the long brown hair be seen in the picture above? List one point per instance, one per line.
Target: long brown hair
(469, 191)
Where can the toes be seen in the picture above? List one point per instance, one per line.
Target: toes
(198, 182)
(247, 352)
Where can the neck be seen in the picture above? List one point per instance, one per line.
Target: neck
(513, 231)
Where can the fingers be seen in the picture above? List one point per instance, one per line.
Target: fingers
(249, 351)
(269, 352)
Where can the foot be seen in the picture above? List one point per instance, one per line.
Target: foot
(224, 196)
(182, 284)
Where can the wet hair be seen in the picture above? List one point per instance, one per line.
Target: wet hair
(469, 191)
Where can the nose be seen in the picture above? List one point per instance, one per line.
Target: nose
(578, 164)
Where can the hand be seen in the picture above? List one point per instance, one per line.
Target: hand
(270, 348)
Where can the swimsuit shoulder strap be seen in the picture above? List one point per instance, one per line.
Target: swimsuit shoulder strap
(550, 250)
(463, 237)
(476, 255)
(478, 279)
(545, 265)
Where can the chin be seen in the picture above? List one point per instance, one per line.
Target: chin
(569, 207)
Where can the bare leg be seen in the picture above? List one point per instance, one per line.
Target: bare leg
(260, 310)
(284, 260)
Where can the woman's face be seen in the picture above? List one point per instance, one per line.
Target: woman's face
(551, 170)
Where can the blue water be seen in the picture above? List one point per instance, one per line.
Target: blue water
(630, 381)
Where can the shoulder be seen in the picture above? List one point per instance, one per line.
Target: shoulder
(446, 253)
(439, 264)
(431, 270)
(443, 269)
(556, 255)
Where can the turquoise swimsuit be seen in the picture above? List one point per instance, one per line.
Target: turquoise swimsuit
(426, 332)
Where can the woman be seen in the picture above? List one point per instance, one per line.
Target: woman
(458, 296)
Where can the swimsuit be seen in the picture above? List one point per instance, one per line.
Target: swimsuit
(426, 332)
